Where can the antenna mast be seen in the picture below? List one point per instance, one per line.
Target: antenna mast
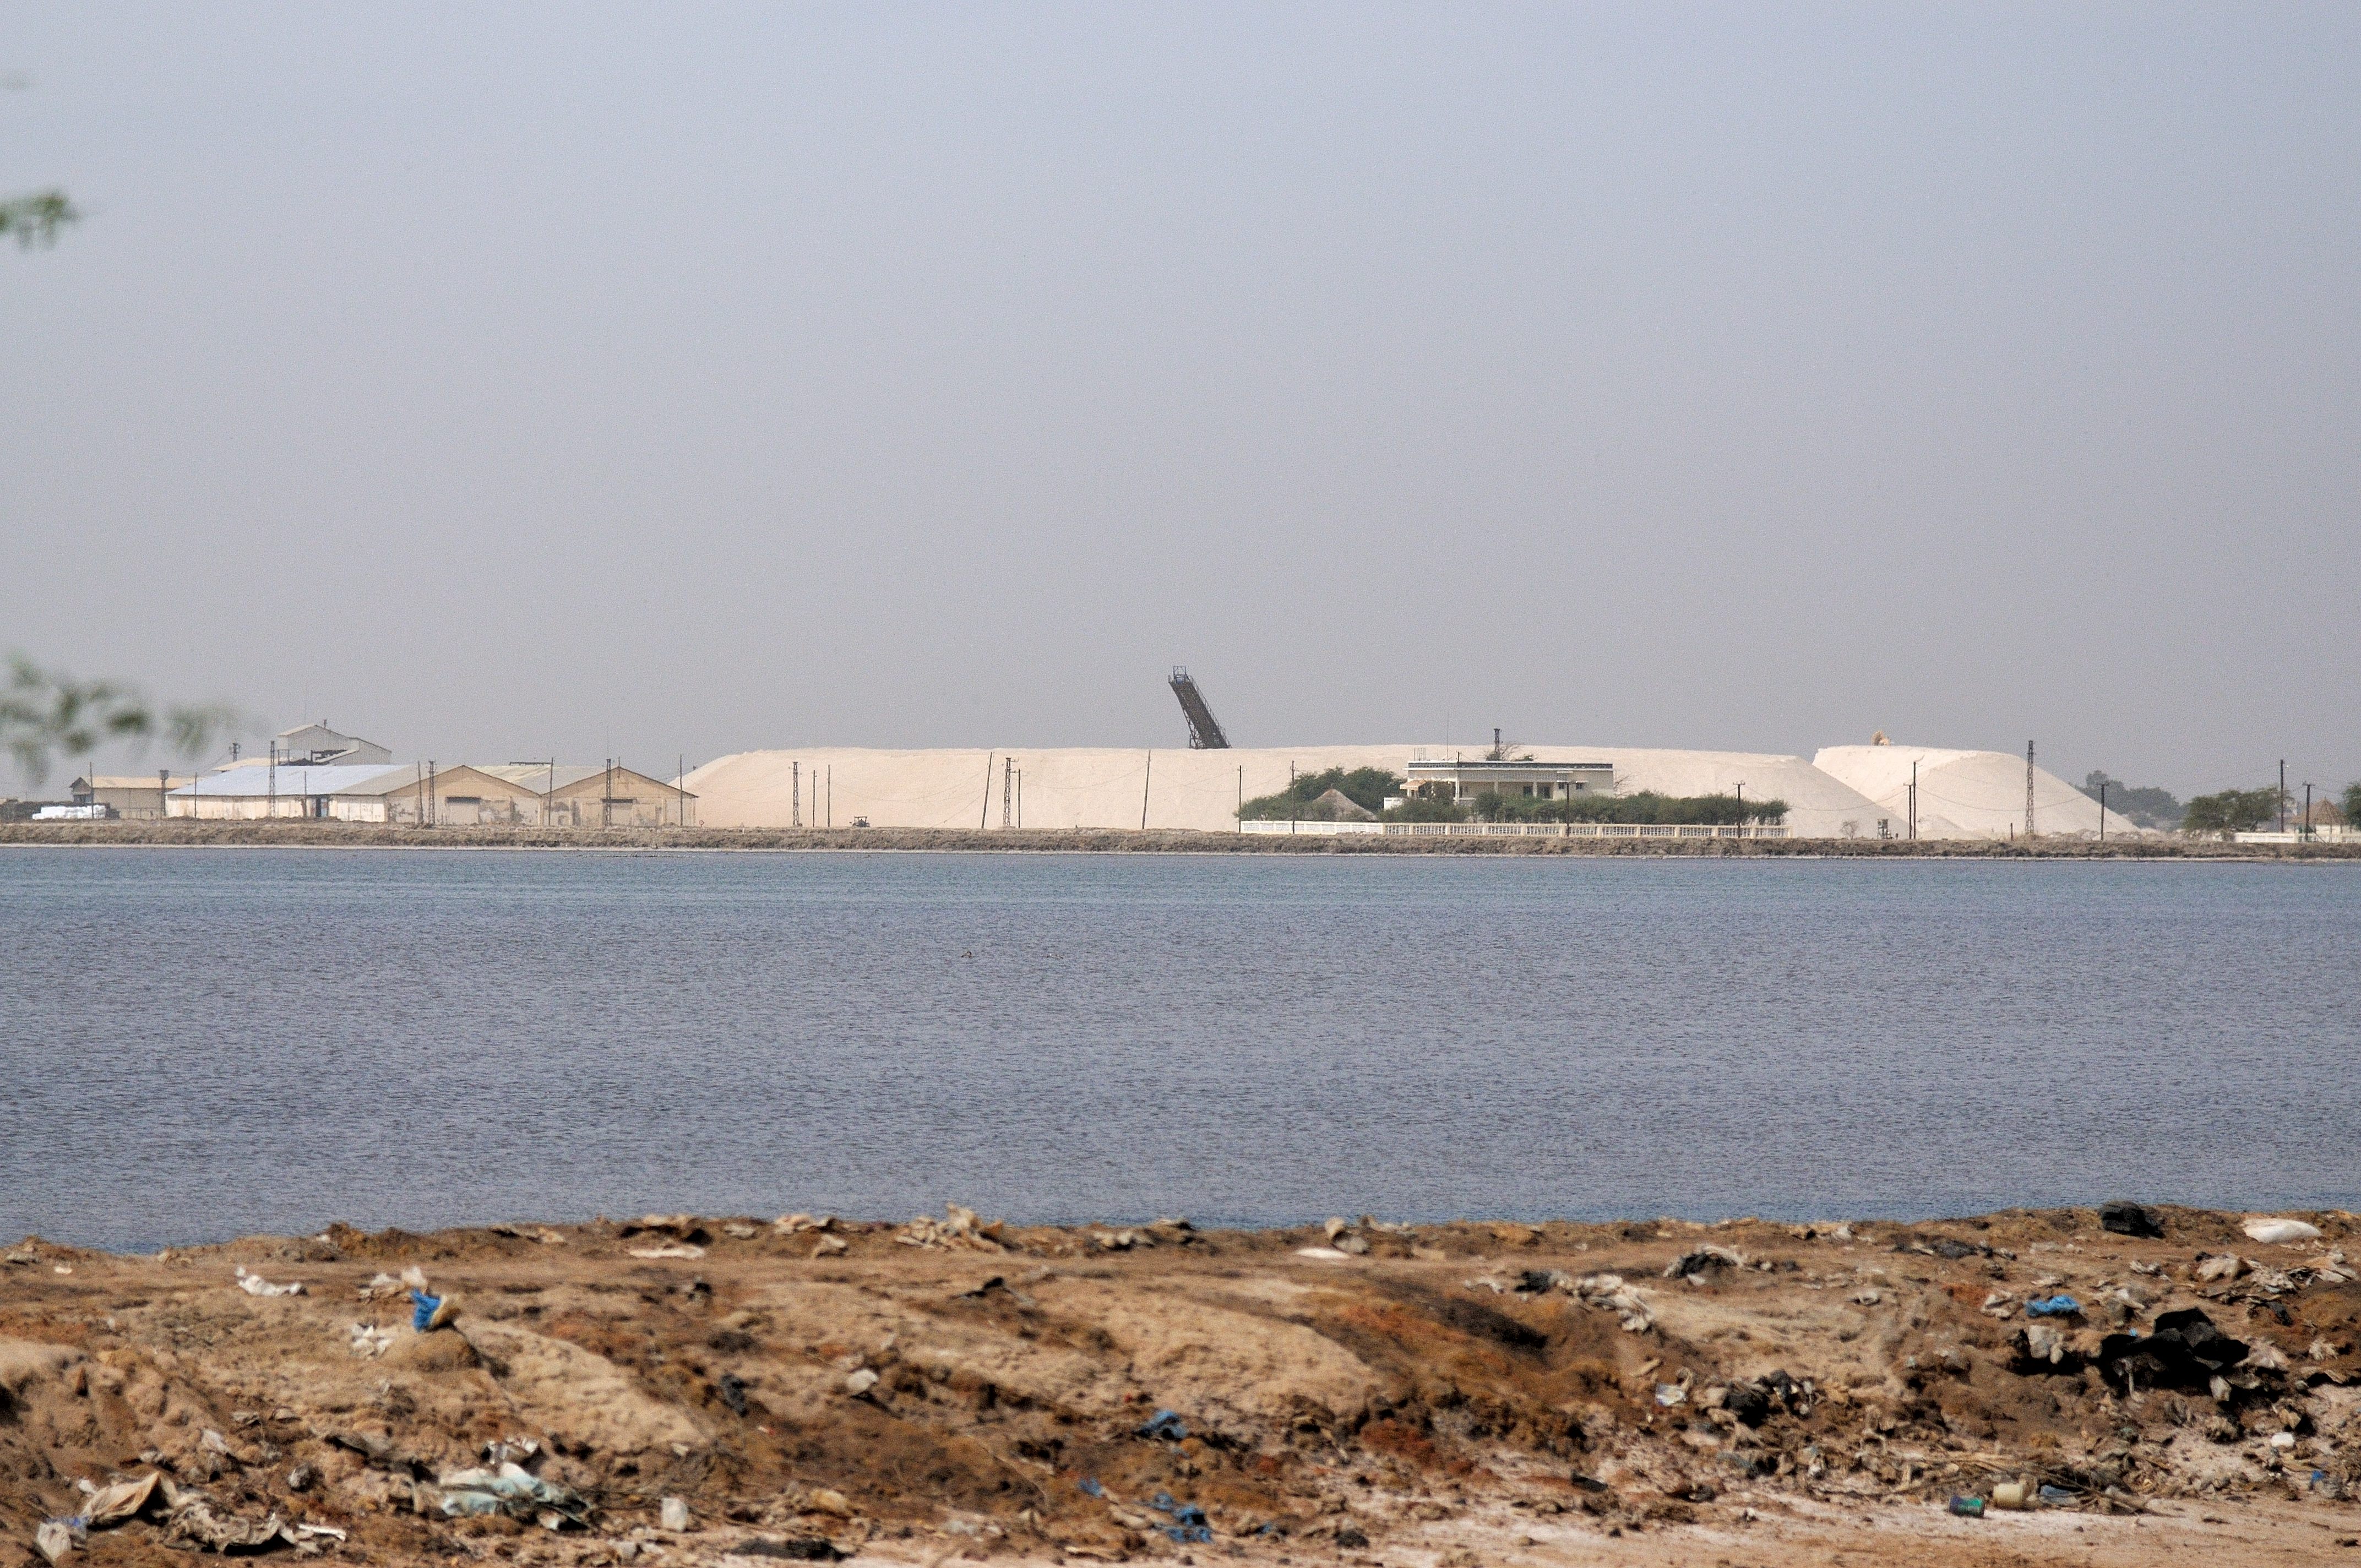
(2029, 789)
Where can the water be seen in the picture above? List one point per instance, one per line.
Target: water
(201, 1043)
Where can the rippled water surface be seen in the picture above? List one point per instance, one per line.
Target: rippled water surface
(197, 1044)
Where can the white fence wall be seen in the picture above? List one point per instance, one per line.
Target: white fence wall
(1523, 830)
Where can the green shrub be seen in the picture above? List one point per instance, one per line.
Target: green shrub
(1365, 787)
(1646, 806)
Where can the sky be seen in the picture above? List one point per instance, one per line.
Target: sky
(655, 382)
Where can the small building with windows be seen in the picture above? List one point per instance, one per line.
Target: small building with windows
(316, 745)
(1461, 779)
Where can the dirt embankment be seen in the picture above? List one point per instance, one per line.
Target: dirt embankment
(1109, 840)
(1443, 1397)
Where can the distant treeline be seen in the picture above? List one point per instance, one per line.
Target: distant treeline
(2224, 811)
(1369, 788)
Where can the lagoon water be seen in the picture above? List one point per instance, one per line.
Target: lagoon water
(199, 1044)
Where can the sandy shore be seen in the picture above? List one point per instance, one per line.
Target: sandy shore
(1646, 1394)
(1094, 840)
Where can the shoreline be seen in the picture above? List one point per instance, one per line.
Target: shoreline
(291, 834)
(1644, 1393)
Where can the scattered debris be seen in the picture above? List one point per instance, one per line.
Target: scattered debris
(255, 1285)
(959, 1227)
(1188, 1526)
(1703, 1262)
(1609, 1293)
(510, 1488)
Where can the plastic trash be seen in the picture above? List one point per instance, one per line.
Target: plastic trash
(2014, 1495)
(1967, 1507)
(423, 1308)
(255, 1285)
(1089, 1483)
(2053, 1306)
(2126, 1218)
(55, 1538)
(1188, 1525)
(511, 1490)
(1164, 1424)
(2281, 1232)
(672, 1514)
(2055, 1496)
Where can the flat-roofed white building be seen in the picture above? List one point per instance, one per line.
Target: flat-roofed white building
(1465, 778)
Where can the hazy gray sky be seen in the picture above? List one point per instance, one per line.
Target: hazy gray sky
(496, 381)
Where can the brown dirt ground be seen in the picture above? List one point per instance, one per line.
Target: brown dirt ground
(1448, 1397)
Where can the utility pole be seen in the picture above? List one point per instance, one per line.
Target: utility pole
(2103, 809)
(831, 795)
(163, 792)
(1294, 808)
(1020, 800)
(796, 820)
(433, 817)
(2029, 789)
(1007, 790)
(985, 809)
(1742, 809)
(1914, 800)
(1242, 798)
(2282, 795)
(2307, 809)
(1144, 780)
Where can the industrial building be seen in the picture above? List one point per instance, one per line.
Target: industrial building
(428, 794)
(316, 745)
(247, 794)
(574, 795)
(132, 797)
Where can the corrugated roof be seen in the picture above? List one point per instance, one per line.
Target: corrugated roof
(536, 777)
(246, 782)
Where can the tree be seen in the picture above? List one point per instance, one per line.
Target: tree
(44, 715)
(36, 219)
(1365, 787)
(2144, 804)
(2351, 804)
(2232, 810)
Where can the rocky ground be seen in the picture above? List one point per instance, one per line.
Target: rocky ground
(1118, 840)
(1738, 1395)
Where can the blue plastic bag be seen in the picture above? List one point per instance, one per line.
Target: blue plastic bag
(2054, 1307)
